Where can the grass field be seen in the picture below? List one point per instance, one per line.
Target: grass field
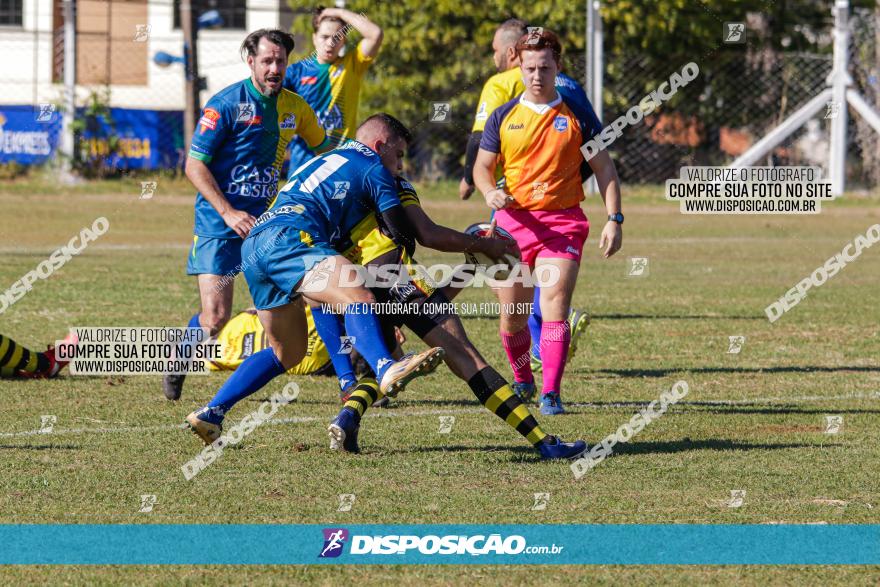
(753, 421)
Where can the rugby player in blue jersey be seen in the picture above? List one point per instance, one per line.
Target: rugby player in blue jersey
(290, 251)
(235, 163)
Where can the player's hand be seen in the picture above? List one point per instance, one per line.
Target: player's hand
(495, 248)
(611, 239)
(465, 189)
(497, 199)
(240, 222)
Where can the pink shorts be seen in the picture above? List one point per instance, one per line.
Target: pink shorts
(559, 234)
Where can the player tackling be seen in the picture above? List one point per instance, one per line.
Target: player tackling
(538, 136)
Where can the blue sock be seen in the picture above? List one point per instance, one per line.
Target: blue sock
(189, 344)
(329, 327)
(362, 324)
(255, 372)
(535, 322)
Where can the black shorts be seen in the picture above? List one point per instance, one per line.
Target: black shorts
(422, 313)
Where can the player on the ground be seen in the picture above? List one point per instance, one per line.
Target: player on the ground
(235, 163)
(290, 251)
(498, 90)
(435, 323)
(19, 361)
(537, 137)
(331, 83)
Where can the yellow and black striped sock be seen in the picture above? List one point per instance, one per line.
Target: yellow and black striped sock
(365, 394)
(14, 358)
(494, 393)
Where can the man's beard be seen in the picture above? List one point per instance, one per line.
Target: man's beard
(269, 93)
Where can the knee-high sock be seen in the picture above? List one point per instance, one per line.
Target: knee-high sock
(555, 338)
(362, 324)
(364, 395)
(494, 393)
(535, 321)
(15, 357)
(187, 348)
(517, 348)
(255, 372)
(329, 327)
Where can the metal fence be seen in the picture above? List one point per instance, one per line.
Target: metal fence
(738, 96)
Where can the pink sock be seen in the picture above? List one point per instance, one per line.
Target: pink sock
(555, 338)
(517, 346)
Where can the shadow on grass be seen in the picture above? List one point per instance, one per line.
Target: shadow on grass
(674, 446)
(631, 448)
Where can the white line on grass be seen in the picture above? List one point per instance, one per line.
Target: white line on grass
(406, 413)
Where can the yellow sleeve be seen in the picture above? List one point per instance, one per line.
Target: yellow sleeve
(492, 96)
(307, 126)
(360, 62)
(407, 193)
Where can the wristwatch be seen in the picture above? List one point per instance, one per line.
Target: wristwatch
(618, 218)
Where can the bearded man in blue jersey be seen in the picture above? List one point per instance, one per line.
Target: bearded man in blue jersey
(235, 164)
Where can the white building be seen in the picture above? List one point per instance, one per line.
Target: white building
(116, 43)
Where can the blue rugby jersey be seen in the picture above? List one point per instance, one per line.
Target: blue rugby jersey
(330, 195)
(242, 136)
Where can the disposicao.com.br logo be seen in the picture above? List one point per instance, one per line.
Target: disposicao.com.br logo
(477, 545)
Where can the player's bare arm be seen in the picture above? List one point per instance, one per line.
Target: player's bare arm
(203, 180)
(484, 180)
(371, 32)
(609, 187)
(442, 238)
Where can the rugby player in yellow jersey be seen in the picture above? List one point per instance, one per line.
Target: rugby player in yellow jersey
(435, 322)
(331, 83)
(536, 138)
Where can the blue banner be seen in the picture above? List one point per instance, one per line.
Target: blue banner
(144, 139)
(673, 544)
(29, 134)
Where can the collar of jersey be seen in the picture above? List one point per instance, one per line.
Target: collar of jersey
(348, 143)
(539, 108)
(255, 93)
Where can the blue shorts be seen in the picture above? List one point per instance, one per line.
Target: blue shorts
(277, 259)
(214, 256)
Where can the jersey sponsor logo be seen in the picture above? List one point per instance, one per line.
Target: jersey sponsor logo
(360, 148)
(330, 119)
(572, 250)
(252, 182)
(539, 190)
(247, 114)
(267, 216)
(340, 190)
(289, 122)
(560, 123)
(308, 80)
(481, 112)
(404, 184)
(209, 119)
(337, 72)
(519, 126)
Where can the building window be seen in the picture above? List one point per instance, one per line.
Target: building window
(11, 13)
(234, 12)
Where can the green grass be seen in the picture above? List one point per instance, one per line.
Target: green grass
(752, 421)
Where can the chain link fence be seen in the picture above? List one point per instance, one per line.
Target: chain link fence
(128, 63)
